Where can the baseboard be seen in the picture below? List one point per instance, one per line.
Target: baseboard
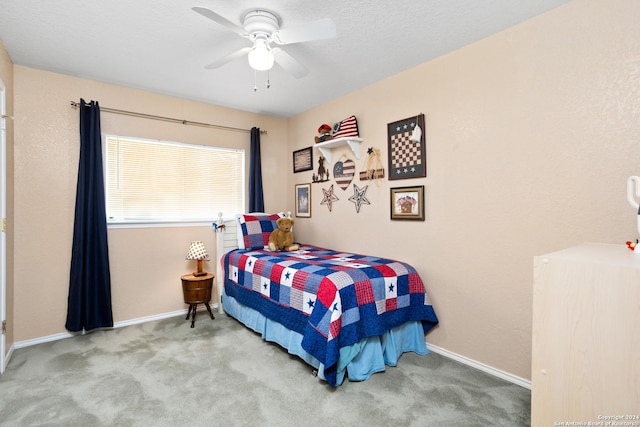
(481, 366)
(63, 335)
(8, 357)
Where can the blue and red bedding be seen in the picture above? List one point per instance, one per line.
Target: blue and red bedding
(334, 299)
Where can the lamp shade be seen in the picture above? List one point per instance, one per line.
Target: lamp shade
(197, 251)
(260, 56)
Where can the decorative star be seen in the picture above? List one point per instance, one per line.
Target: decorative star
(329, 198)
(335, 307)
(359, 197)
(310, 303)
(287, 275)
(370, 150)
(391, 287)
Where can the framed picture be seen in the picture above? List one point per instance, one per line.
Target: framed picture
(407, 149)
(303, 200)
(407, 203)
(303, 160)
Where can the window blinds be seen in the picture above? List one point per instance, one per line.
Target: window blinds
(165, 181)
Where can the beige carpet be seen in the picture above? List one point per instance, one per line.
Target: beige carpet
(164, 373)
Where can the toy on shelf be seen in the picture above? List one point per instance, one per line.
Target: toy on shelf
(325, 133)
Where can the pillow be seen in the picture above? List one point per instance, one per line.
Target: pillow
(254, 229)
(239, 234)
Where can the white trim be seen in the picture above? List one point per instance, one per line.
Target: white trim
(63, 335)
(3, 217)
(481, 366)
(9, 353)
(159, 224)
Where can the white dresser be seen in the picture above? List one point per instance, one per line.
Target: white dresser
(586, 336)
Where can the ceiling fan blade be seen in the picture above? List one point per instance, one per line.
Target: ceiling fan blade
(219, 19)
(315, 30)
(226, 59)
(289, 63)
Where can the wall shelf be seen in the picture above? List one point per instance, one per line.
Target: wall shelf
(327, 146)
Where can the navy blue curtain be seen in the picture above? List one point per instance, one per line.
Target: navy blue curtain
(256, 198)
(89, 303)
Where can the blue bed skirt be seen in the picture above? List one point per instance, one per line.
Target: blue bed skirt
(357, 362)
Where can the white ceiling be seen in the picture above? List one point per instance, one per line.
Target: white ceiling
(163, 46)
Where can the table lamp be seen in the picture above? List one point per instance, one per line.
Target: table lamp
(198, 252)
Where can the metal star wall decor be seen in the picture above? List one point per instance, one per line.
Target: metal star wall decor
(329, 198)
(359, 197)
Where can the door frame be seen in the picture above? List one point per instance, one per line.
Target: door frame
(3, 219)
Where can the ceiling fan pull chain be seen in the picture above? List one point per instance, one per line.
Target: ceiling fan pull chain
(268, 80)
(255, 81)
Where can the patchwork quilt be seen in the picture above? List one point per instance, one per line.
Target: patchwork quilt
(334, 299)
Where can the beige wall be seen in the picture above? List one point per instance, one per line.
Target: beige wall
(6, 75)
(531, 135)
(146, 264)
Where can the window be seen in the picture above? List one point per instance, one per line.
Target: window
(157, 181)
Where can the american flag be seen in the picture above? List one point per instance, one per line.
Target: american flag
(347, 127)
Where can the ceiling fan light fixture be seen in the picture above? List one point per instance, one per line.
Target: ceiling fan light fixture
(260, 56)
(262, 27)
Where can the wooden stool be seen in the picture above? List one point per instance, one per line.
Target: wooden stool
(197, 290)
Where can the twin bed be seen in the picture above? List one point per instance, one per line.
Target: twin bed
(346, 315)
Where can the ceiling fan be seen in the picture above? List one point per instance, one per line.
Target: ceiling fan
(262, 28)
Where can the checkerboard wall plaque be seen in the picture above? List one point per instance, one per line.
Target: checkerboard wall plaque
(407, 149)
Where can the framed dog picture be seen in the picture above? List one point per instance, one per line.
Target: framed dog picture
(303, 200)
(407, 150)
(407, 203)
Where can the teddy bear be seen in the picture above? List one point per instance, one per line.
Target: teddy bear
(282, 237)
(325, 133)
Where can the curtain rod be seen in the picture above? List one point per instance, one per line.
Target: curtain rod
(167, 119)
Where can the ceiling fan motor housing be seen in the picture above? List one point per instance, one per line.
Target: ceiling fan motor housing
(257, 22)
